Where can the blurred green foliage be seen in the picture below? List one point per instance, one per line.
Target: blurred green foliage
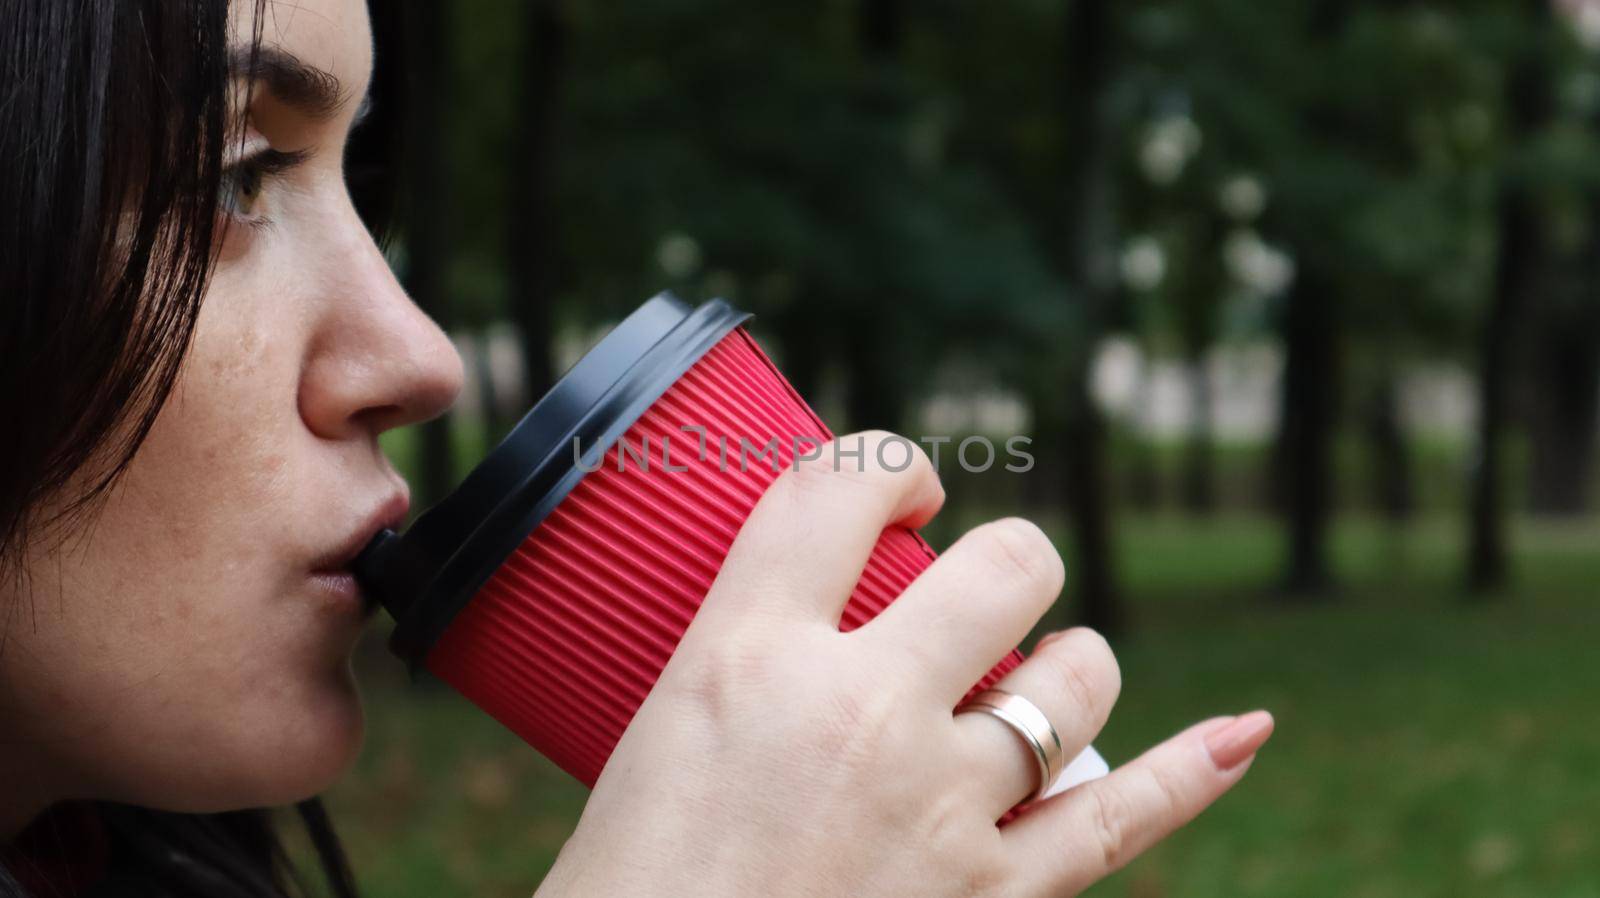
(890, 187)
(759, 152)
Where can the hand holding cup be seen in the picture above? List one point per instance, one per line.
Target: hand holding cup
(779, 756)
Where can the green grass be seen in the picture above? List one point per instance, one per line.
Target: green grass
(1426, 746)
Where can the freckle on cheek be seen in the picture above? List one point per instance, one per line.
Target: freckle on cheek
(274, 463)
(239, 360)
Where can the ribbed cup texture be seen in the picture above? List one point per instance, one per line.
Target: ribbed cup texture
(567, 638)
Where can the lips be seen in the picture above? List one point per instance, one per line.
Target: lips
(389, 514)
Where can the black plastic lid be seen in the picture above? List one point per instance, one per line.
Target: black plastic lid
(424, 577)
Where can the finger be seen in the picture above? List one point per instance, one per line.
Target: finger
(1072, 677)
(1064, 844)
(803, 547)
(970, 607)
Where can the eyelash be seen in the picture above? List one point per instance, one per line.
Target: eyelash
(256, 170)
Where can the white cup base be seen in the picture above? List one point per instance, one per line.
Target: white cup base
(1088, 765)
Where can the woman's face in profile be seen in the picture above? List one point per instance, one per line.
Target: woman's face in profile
(189, 649)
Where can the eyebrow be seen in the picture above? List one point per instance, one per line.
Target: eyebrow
(313, 91)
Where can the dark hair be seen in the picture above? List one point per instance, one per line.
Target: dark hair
(113, 119)
(111, 142)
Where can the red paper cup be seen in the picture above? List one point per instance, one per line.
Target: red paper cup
(552, 587)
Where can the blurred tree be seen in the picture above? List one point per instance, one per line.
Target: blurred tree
(1311, 334)
(794, 159)
(1373, 181)
(1218, 99)
(897, 197)
(876, 394)
(1416, 110)
(1564, 388)
(1196, 234)
(375, 153)
(1261, 103)
(428, 210)
(533, 233)
(1090, 42)
(1521, 253)
(1563, 378)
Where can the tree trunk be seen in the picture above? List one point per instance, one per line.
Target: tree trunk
(882, 27)
(533, 231)
(1391, 464)
(1303, 462)
(803, 348)
(875, 396)
(427, 222)
(1305, 441)
(1562, 433)
(1520, 254)
(1565, 401)
(1518, 250)
(1084, 482)
(1086, 209)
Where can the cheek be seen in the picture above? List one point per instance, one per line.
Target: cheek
(159, 695)
(226, 465)
(173, 663)
(213, 474)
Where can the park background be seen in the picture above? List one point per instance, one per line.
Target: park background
(1299, 301)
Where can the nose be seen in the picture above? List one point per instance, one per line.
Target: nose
(376, 360)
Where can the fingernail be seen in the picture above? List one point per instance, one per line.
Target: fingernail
(1235, 743)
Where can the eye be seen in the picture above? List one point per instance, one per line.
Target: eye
(241, 189)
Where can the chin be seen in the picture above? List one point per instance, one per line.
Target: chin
(267, 738)
(274, 761)
(308, 748)
(335, 730)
